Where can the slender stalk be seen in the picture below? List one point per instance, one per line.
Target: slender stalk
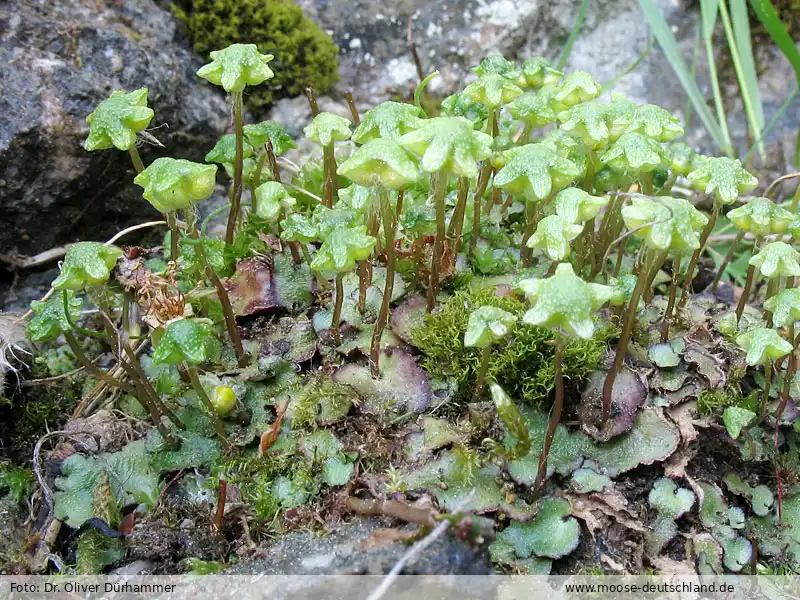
(238, 162)
(322, 283)
(93, 369)
(796, 200)
(174, 235)
(480, 381)
(329, 168)
(525, 134)
(687, 284)
(262, 160)
(661, 257)
(791, 369)
(457, 220)
(769, 368)
(363, 273)
(673, 289)
(748, 284)
(555, 415)
(136, 159)
(526, 254)
(773, 286)
(201, 394)
(136, 367)
(273, 162)
(352, 105)
(483, 181)
(389, 230)
(337, 310)
(726, 261)
(646, 181)
(222, 294)
(625, 334)
(439, 192)
(591, 169)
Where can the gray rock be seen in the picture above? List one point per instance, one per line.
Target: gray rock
(303, 553)
(452, 36)
(58, 60)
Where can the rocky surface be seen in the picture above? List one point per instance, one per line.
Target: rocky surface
(453, 35)
(58, 60)
(342, 552)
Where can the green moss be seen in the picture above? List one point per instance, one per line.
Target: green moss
(304, 54)
(524, 366)
(715, 401)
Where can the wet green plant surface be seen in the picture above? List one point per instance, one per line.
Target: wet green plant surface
(458, 316)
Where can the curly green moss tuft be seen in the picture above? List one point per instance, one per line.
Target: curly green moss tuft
(524, 367)
(715, 401)
(304, 54)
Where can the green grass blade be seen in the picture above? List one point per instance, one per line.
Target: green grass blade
(632, 66)
(576, 29)
(737, 30)
(662, 32)
(709, 9)
(772, 122)
(766, 13)
(708, 16)
(693, 73)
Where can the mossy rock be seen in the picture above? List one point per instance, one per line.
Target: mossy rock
(304, 54)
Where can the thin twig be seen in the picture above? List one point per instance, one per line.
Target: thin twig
(775, 183)
(416, 550)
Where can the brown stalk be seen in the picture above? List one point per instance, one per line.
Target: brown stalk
(390, 230)
(555, 416)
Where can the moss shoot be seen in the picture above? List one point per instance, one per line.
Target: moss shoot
(524, 366)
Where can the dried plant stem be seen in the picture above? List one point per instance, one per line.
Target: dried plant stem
(480, 381)
(204, 399)
(439, 192)
(726, 261)
(687, 283)
(389, 231)
(625, 335)
(238, 162)
(673, 289)
(555, 415)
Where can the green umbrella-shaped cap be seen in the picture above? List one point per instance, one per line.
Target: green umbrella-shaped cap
(724, 177)
(187, 340)
(172, 184)
(564, 301)
(237, 66)
(487, 325)
(117, 120)
(381, 163)
(763, 346)
(86, 264)
(777, 259)
(761, 216)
